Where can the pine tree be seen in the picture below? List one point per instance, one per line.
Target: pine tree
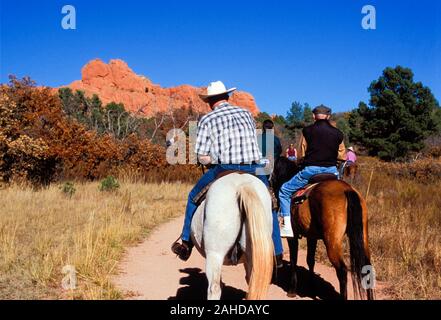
(401, 114)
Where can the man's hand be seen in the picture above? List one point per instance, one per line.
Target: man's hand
(204, 160)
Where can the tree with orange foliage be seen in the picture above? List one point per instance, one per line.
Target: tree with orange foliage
(40, 143)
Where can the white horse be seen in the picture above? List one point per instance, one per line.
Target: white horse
(237, 206)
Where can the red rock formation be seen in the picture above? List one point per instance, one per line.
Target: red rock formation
(118, 83)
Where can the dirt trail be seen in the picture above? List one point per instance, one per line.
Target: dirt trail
(150, 271)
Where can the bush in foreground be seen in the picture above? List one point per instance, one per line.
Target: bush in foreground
(68, 188)
(109, 184)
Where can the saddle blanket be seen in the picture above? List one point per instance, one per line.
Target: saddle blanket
(303, 194)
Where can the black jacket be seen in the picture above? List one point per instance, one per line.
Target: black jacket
(323, 142)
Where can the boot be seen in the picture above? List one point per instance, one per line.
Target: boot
(286, 229)
(183, 251)
(279, 261)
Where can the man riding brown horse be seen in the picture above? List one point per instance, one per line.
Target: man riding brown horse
(320, 147)
(327, 208)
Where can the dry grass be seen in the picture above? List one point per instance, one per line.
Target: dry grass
(43, 231)
(404, 228)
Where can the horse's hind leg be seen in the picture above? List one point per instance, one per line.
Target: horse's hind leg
(213, 270)
(342, 275)
(293, 252)
(335, 254)
(310, 259)
(353, 172)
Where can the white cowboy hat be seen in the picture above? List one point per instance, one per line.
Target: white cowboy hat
(351, 148)
(215, 89)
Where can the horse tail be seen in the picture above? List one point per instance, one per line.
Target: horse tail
(259, 238)
(359, 253)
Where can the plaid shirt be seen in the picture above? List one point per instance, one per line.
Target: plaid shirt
(228, 136)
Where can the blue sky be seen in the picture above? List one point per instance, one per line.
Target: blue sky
(280, 51)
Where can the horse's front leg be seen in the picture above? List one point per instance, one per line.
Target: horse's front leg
(293, 252)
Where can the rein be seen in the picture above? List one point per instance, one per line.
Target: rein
(202, 168)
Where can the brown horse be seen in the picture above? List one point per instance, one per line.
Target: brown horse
(332, 210)
(350, 171)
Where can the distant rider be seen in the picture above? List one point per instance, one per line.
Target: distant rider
(291, 153)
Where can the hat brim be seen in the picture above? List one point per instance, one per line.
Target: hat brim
(325, 113)
(207, 96)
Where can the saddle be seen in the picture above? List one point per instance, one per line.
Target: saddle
(303, 194)
(200, 197)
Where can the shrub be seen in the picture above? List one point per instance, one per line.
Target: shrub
(109, 184)
(40, 143)
(24, 154)
(422, 171)
(68, 188)
(435, 152)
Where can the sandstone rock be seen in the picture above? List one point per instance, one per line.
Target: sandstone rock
(118, 83)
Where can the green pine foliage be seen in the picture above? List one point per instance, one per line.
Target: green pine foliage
(110, 119)
(401, 114)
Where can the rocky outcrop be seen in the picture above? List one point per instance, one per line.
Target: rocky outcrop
(116, 82)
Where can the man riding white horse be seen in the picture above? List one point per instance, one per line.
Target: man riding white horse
(226, 141)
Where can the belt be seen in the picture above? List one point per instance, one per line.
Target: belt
(240, 164)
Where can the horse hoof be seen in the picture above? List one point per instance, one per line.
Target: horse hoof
(292, 294)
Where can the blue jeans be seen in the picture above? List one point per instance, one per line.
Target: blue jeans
(343, 167)
(209, 177)
(299, 181)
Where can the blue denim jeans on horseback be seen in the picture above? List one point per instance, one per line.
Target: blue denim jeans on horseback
(343, 166)
(209, 177)
(299, 181)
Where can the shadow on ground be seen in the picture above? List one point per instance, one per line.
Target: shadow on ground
(196, 285)
(314, 288)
